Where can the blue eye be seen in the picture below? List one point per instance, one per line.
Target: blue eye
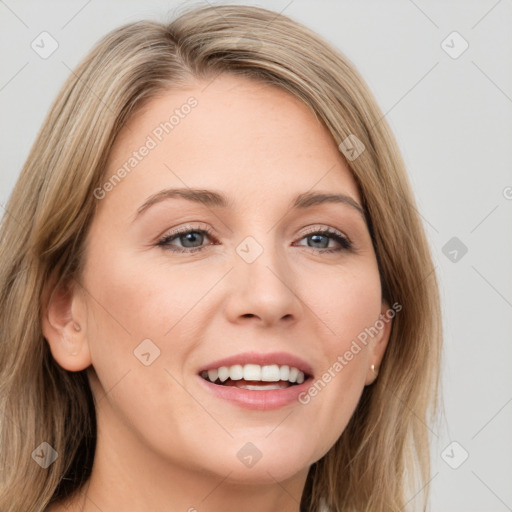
(321, 238)
(191, 240)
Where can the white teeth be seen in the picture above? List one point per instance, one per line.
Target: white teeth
(270, 373)
(223, 373)
(255, 372)
(252, 372)
(284, 372)
(236, 372)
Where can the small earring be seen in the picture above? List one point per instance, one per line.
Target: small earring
(374, 370)
(76, 327)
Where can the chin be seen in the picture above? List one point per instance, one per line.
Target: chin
(260, 462)
(264, 473)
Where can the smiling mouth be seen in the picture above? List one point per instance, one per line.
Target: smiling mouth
(254, 377)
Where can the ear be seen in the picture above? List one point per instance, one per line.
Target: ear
(64, 326)
(379, 342)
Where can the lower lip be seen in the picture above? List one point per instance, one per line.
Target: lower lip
(265, 400)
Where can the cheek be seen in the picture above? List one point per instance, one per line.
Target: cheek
(347, 302)
(139, 331)
(139, 301)
(127, 319)
(357, 300)
(350, 303)
(144, 313)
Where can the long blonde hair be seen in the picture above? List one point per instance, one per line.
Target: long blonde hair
(382, 458)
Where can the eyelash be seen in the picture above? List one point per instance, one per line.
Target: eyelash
(335, 235)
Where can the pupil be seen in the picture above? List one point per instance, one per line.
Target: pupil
(315, 240)
(190, 237)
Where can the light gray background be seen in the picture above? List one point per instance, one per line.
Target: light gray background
(453, 121)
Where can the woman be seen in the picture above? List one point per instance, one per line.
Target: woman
(215, 287)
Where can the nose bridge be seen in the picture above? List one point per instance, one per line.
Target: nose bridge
(263, 279)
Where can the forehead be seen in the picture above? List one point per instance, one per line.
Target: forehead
(230, 133)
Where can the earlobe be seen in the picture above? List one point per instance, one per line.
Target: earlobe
(373, 373)
(63, 329)
(378, 346)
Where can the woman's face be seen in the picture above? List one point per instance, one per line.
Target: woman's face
(232, 269)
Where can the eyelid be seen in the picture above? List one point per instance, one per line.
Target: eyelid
(322, 227)
(196, 226)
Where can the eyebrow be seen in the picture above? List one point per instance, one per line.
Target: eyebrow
(214, 199)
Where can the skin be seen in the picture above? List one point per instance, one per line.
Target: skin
(164, 442)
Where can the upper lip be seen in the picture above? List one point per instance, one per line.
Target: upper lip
(279, 358)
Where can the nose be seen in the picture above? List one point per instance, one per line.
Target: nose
(263, 291)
